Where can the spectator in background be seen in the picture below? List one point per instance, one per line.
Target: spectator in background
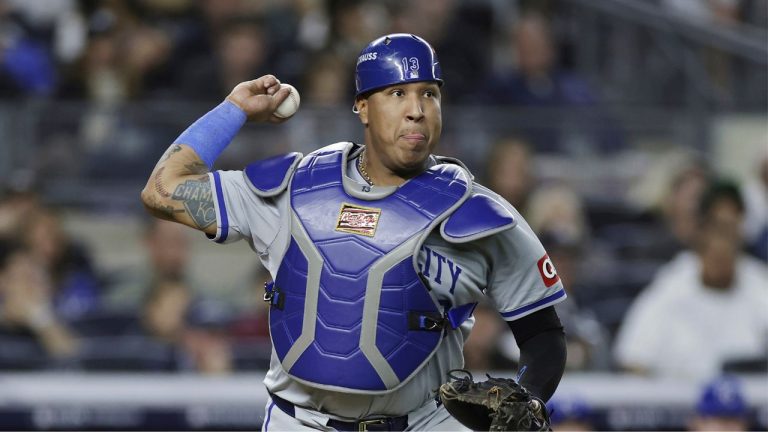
(26, 302)
(326, 83)
(159, 333)
(705, 311)
(75, 287)
(191, 327)
(242, 49)
(164, 310)
(537, 81)
(123, 57)
(207, 345)
(27, 67)
(557, 210)
(353, 24)
(312, 24)
(18, 201)
(721, 407)
(668, 196)
(216, 13)
(680, 207)
(122, 51)
(167, 259)
(57, 24)
(179, 328)
(510, 171)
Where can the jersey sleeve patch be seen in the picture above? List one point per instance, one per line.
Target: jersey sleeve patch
(479, 216)
(547, 271)
(269, 177)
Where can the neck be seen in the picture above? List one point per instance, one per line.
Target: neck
(377, 174)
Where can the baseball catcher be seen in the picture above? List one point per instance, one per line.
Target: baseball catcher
(379, 252)
(498, 404)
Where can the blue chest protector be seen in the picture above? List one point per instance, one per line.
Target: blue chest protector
(349, 309)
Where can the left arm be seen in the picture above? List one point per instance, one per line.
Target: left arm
(541, 339)
(508, 404)
(522, 276)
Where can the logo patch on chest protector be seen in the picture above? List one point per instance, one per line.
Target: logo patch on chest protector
(358, 220)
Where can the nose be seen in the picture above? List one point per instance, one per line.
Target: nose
(415, 109)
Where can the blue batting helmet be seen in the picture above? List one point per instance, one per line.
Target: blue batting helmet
(395, 58)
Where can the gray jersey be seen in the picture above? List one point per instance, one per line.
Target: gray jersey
(510, 269)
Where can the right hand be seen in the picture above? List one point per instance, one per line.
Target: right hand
(260, 98)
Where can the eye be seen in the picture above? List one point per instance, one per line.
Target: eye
(398, 92)
(429, 93)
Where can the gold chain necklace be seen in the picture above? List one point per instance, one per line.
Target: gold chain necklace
(361, 168)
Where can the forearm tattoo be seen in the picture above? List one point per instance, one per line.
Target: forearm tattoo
(171, 150)
(162, 211)
(198, 167)
(159, 185)
(197, 198)
(194, 195)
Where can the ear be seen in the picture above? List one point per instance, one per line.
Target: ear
(361, 106)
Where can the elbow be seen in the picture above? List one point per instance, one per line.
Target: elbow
(149, 198)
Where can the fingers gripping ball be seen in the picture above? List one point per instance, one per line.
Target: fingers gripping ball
(498, 404)
(290, 105)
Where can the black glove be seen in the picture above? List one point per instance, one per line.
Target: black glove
(498, 404)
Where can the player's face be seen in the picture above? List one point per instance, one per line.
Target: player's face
(403, 125)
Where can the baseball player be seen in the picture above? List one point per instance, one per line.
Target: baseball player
(379, 251)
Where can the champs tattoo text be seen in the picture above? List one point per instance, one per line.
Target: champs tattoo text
(198, 200)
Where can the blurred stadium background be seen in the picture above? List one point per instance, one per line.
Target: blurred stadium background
(603, 121)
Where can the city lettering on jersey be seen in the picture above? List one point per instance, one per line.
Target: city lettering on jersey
(435, 272)
(367, 56)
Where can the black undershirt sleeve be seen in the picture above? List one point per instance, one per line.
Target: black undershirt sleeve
(541, 340)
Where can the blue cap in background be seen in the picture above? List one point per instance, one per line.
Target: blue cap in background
(722, 397)
(570, 408)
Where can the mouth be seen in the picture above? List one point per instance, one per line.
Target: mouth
(414, 137)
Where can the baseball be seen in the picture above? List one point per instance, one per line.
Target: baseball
(290, 104)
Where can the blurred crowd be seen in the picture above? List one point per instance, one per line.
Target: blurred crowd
(674, 285)
(57, 311)
(106, 81)
(108, 51)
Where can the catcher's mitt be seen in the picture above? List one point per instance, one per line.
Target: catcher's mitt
(498, 404)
